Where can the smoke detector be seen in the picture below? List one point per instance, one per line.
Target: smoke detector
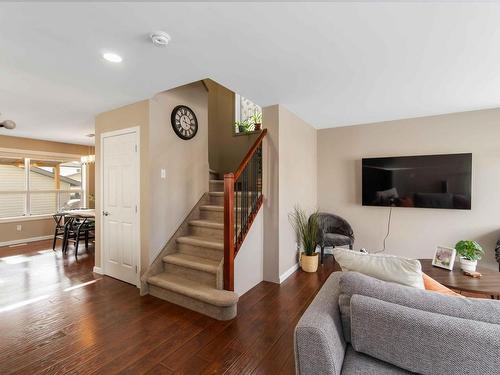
(160, 38)
(8, 124)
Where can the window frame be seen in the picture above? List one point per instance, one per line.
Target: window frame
(27, 156)
(237, 116)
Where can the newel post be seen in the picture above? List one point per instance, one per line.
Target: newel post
(229, 231)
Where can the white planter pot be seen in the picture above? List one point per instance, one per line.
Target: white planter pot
(468, 265)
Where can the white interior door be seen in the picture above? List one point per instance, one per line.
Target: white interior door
(120, 187)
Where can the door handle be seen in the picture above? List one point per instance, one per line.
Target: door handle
(105, 213)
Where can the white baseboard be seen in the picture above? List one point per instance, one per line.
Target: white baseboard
(285, 275)
(98, 270)
(26, 240)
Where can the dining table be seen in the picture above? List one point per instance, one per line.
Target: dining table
(84, 213)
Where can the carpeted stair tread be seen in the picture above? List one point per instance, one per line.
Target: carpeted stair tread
(212, 207)
(193, 262)
(194, 289)
(207, 224)
(202, 242)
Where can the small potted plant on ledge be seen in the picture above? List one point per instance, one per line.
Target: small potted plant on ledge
(243, 126)
(470, 252)
(307, 238)
(256, 119)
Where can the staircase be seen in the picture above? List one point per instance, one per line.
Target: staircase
(196, 268)
(193, 275)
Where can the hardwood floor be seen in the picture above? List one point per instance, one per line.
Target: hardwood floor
(57, 317)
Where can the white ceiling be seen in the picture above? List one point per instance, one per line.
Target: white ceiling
(332, 64)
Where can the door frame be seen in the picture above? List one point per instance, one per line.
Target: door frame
(136, 130)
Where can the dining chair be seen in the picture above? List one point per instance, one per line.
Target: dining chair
(59, 230)
(79, 229)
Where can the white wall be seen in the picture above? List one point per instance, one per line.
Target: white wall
(185, 163)
(415, 231)
(249, 262)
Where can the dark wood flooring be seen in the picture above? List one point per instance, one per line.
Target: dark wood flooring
(57, 317)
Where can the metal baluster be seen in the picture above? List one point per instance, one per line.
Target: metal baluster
(236, 212)
(246, 199)
(254, 192)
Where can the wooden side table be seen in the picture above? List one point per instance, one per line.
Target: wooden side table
(488, 284)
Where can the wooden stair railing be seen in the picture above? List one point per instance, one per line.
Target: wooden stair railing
(242, 201)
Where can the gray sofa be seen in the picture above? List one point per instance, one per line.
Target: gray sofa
(360, 325)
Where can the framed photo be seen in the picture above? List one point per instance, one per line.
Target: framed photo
(444, 257)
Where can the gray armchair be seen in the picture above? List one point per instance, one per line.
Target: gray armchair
(333, 231)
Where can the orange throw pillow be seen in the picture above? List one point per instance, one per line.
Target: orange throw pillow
(432, 285)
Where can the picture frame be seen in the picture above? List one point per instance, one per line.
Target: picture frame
(444, 257)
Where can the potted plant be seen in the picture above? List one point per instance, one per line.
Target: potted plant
(306, 229)
(470, 252)
(243, 126)
(257, 120)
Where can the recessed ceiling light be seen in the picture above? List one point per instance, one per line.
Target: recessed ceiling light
(160, 38)
(112, 57)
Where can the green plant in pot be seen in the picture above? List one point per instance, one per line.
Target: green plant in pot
(256, 119)
(306, 229)
(470, 252)
(243, 126)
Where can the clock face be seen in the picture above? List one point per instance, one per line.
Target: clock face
(184, 122)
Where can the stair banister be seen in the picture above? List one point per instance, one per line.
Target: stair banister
(242, 201)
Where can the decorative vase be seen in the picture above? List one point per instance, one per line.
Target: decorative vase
(309, 263)
(258, 126)
(468, 265)
(241, 129)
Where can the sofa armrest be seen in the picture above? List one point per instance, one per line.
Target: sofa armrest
(319, 342)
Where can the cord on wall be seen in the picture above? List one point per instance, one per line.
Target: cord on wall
(388, 230)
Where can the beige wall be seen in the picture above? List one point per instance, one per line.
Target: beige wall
(415, 231)
(164, 202)
(297, 179)
(29, 229)
(290, 178)
(133, 115)
(185, 163)
(226, 150)
(270, 190)
(40, 145)
(43, 227)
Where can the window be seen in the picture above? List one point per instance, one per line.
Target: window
(39, 187)
(12, 187)
(248, 115)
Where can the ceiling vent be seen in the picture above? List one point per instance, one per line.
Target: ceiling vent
(160, 38)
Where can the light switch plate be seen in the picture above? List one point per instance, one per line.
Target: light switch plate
(163, 173)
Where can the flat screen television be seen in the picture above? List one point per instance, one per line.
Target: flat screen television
(430, 181)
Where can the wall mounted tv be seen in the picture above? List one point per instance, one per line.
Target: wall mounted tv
(430, 181)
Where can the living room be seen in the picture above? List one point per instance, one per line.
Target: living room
(274, 188)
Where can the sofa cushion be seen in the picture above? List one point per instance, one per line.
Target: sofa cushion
(356, 363)
(485, 310)
(384, 267)
(421, 341)
(352, 283)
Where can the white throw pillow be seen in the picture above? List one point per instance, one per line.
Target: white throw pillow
(383, 267)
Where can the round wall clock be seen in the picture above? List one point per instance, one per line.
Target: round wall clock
(184, 122)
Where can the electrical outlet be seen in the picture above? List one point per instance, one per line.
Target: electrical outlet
(19, 227)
